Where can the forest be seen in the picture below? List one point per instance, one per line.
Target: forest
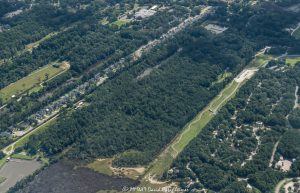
(81, 41)
(140, 109)
(143, 114)
(98, 44)
(238, 143)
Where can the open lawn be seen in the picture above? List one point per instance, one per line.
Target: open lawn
(261, 60)
(32, 82)
(104, 166)
(2, 179)
(224, 96)
(292, 61)
(120, 23)
(104, 21)
(222, 77)
(101, 166)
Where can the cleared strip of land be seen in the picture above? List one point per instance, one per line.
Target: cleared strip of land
(193, 128)
(32, 82)
(30, 47)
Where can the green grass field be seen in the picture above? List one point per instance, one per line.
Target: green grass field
(119, 23)
(222, 77)
(261, 60)
(192, 129)
(31, 83)
(223, 97)
(292, 61)
(104, 21)
(161, 164)
(2, 179)
(22, 156)
(101, 166)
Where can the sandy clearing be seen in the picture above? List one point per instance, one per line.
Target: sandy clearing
(245, 74)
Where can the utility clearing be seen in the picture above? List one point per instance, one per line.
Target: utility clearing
(31, 46)
(194, 127)
(33, 82)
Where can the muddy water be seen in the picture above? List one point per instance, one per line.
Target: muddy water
(63, 178)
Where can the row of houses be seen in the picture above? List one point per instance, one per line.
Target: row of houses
(4, 27)
(55, 107)
(174, 30)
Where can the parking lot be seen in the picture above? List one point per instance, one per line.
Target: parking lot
(15, 170)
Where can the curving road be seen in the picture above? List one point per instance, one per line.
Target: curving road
(281, 183)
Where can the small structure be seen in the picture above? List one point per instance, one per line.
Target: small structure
(4, 27)
(14, 13)
(144, 13)
(259, 124)
(216, 29)
(212, 111)
(154, 7)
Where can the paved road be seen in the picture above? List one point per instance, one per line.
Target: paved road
(281, 183)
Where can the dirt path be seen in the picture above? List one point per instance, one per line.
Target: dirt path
(3, 107)
(273, 153)
(296, 97)
(188, 168)
(294, 30)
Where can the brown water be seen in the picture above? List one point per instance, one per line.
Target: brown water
(63, 178)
